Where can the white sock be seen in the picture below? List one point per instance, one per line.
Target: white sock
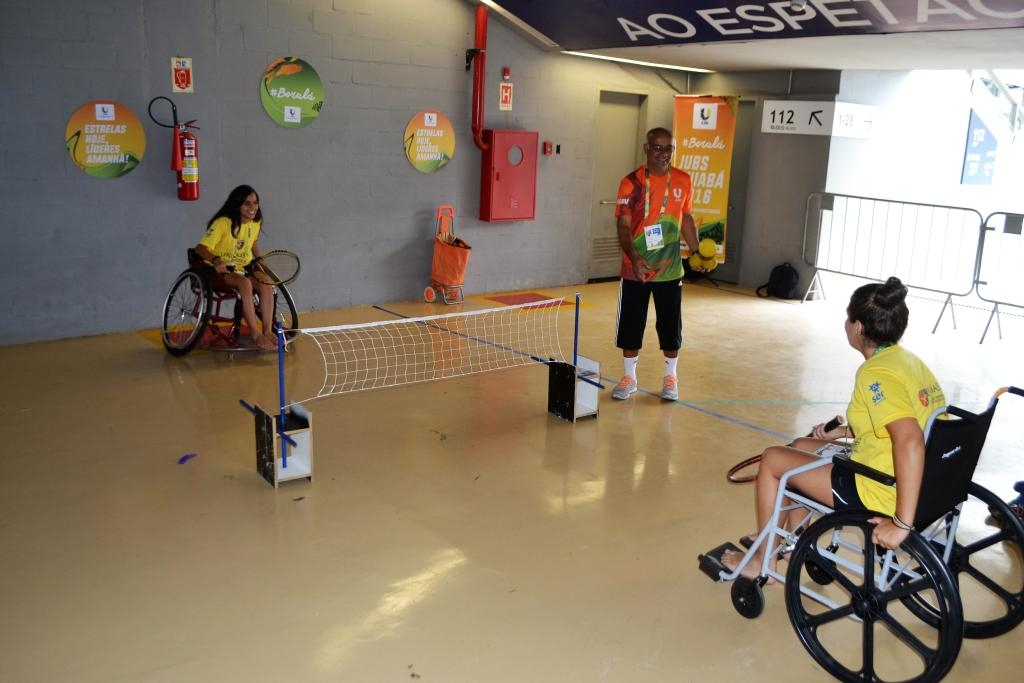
(630, 365)
(670, 366)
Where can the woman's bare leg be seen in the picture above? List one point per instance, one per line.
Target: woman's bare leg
(243, 285)
(775, 462)
(266, 294)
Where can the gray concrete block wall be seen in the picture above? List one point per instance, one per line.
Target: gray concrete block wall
(93, 256)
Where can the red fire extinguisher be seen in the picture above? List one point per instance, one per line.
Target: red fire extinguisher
(185, 161)
(184, 152)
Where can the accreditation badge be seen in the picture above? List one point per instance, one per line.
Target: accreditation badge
(654, 237)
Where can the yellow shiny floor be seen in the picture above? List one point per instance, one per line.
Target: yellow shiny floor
(454, 531)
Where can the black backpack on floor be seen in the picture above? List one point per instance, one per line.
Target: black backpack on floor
(782, 283)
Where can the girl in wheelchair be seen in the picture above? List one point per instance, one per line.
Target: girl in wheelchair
(894, 393)
(230, 244)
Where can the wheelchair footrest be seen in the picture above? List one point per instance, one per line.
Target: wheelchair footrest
(711, 561)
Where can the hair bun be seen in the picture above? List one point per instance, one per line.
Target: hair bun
(893, 292)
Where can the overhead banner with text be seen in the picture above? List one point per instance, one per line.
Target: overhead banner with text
(703, 130)
(595, 24)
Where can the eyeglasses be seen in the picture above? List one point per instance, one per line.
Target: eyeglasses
(661, 148)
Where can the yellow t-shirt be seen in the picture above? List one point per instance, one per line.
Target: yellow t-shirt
(891, 385)
(234, 251)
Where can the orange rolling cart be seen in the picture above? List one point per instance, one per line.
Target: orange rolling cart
(451, 256)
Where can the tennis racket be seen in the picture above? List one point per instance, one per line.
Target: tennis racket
(734, 475)
(277, 267)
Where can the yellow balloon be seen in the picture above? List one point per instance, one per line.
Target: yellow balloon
(709, 263)
(707, 247)
(696, 261)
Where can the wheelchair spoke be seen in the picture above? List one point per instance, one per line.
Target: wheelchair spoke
(868, 649)
(905, 635)
(907, 588)
(829, 616)
(983, 579)
(987, 542)
(843, 579)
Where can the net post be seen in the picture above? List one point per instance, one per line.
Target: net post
(576, 332)
(279, 330)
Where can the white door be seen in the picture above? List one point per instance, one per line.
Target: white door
(617, 152)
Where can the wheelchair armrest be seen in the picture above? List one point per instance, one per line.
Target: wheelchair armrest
(846, 463)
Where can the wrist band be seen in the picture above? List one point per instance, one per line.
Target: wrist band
(900, 524)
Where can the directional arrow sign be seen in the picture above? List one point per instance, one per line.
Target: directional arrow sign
(798, 117)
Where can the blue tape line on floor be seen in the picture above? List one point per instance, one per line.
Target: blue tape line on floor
(692, 406)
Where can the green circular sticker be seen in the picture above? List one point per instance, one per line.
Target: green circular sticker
(105, 139)
(429, 141)
(291, 92)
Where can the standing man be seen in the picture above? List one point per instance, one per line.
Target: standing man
(653, 212)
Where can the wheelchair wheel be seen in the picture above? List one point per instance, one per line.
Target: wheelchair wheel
(186, 312)
(858, 627)
(820, 570)
(987, 562)
(291, 316)
(747, 597)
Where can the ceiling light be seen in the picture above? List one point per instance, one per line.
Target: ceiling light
(637, 62)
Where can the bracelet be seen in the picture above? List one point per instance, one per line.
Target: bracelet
(900, 524)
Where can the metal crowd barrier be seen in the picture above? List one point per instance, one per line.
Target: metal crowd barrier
(930, 247)
(1000, 280)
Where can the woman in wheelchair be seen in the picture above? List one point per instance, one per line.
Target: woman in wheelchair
(894, 393)
(230, 244)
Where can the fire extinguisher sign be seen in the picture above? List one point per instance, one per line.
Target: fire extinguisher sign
(181, 74)
(505, 96)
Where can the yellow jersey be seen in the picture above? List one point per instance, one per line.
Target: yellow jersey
(892, 384)
(234, 251)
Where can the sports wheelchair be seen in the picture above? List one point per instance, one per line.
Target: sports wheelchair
(865, 613)
(201, 311)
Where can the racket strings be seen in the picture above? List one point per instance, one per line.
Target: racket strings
(277, 267)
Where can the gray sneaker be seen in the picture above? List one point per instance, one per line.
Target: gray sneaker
(670, 388)
(625, 387)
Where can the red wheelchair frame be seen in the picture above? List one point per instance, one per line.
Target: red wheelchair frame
(201, 311)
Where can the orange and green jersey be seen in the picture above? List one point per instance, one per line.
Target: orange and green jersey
(652, 201)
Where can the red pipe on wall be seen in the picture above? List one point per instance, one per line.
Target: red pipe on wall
(479, 74)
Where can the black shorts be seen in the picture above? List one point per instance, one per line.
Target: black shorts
(634, 297)
(844, 489)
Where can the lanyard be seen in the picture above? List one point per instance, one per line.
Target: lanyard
(647, 192)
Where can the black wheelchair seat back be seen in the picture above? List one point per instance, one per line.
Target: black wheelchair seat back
(953, 443)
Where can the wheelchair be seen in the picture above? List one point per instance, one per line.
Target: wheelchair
(201, 311)
(865, 613)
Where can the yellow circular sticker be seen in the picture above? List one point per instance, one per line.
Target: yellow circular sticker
(429, 141)
(105, 139)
